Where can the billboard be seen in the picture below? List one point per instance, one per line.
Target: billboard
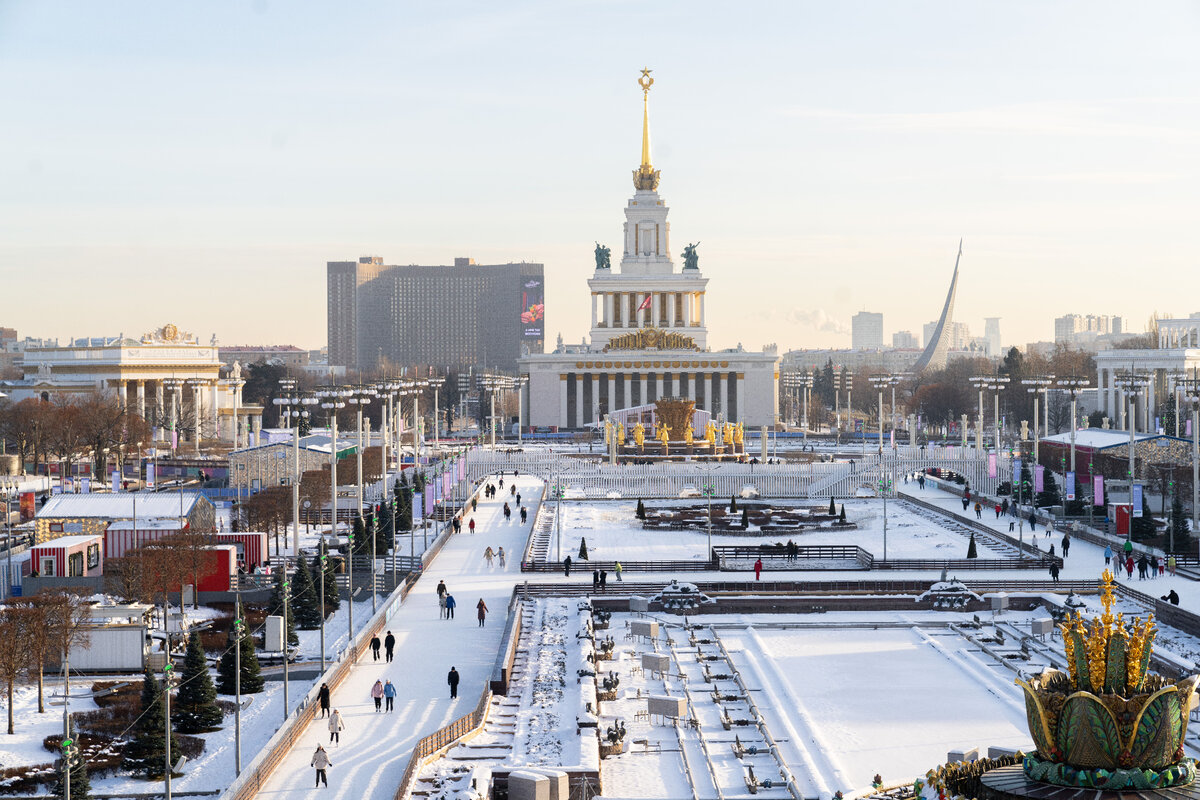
(533, 308)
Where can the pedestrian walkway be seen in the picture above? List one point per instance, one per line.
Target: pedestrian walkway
(374, 749)
(1085, 561)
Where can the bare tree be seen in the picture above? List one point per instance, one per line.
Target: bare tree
(14, 651)
(192, 548)
(126, 577)
(66, 438)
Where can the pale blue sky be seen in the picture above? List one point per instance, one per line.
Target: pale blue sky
(200, 162)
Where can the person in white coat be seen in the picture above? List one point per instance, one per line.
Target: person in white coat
(335, 726)
(321, 761)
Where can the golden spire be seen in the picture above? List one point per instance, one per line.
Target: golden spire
(645, 177)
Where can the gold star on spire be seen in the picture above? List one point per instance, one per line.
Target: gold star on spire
(645, 176)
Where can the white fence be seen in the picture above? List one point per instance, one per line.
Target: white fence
(590, 477)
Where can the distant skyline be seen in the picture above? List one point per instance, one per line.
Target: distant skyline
(200, 163)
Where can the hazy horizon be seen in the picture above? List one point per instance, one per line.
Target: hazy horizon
(199, 164)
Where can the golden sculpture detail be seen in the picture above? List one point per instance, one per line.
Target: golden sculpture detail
(664, 436)
(639, 435)
(648, 338)
(689, 435)
(1108, 723)
(739, 434)
(710, 433)
(620, 434)
(645, 177)
(675, 413)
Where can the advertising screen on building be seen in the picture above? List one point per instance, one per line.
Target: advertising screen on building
(533, 309)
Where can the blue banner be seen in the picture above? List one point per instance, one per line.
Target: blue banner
(1070, 485)
(1137, 500)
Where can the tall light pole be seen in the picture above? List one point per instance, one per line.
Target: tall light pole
(997, 385)
(332, 399)
(437, 383)
(1074, 386)
(519, 384)
(980, 382)
(880, 382)
(359, 397)
(1192, 391)
(1132, 384)
(1033, 386)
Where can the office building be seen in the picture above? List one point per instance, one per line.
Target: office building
(905, 340)
(866, 331)
(455, 316)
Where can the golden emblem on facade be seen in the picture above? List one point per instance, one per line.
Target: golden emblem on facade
(651, 338)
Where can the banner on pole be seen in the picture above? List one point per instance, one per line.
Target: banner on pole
(1016, 478)
(150, 475)
(85, 485)
(1070, 479)
(115, 481)
(991, 465)
(429, 502)
(1187, 428)
(1097, 490)
(1137, 500)
(1039, 478)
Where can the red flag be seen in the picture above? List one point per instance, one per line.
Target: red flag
(645, 303)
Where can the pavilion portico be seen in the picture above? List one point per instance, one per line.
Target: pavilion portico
(1164, 369)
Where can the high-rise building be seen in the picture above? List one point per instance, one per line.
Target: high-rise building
(444, 316)
(991, 334)
(1075, 328)
(866, 331)
(904, 340)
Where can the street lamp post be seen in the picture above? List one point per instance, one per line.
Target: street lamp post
(1193, 395)
(1132, 384)
(1074, 386)
(997, 385)
(332, 400)
(436, 383)
(881, 382)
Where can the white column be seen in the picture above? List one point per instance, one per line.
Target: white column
(702, 317)
(562, 401)
(691, 382)
(644, 388)
(593, 309)
(658, 380)
(730, 393)
(628, 390)
(1151, 405)
(613, 403)
(687, 309)
(158, 400)
(141, 398)
(654, 309)
(595, 397)
(741, 396)
(197, 416)
(609, 301)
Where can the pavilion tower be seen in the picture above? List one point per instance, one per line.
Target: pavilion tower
(647, 293)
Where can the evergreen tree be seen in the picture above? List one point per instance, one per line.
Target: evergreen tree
(832, 507)
(1143, 527)
(745, 518)
(641, 509)
(146, 753)
(279, 603)
(327, 570)
(81, 785)
(842, 514)
(305, 602)
(357, 531)
(196, 708)
(583, 556)
(252, 682)
(733, 504)
(972, 552)
(404, 508)
(1182, 542)
(1049, 495)
(1025, 490)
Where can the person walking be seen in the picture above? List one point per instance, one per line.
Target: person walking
(481, 610)
(617, 569)
(1108, 554)
(997, 511)
(389, 696)
(457, 525)
(595, 580)
(524, 515)
(1127, 548)
(603, 579)
(471, 525)
(323, 696)
(513, 490)
(488, 555)
(452, 679)
(978, 511)
(1129, 567)
(1066, 544)
(336, 727)
(966, 501)
(321, 762)
(758, 569)
(377, 695)
(442, 591)
(1143, 565)
(474, 507)
(567, 567)
(389, 644)
(1156, 567)
(1171, 564)
(518, 499)
(1004, 506)
(375, 647)
(450, 605)
(1054, 571)
(507, 513)
(1032, 521)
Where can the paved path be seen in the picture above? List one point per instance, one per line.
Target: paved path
(374, 749)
